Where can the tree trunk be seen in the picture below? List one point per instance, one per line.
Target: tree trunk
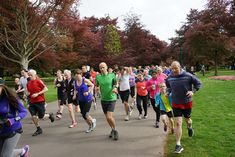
(216, 62)
(24, 63)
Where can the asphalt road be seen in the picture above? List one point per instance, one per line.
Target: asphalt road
(137, 138)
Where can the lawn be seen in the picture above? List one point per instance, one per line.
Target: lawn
(213, 115)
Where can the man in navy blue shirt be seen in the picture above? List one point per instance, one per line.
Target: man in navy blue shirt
(182, 85)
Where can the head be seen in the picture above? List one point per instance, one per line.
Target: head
(123, 70)
(24, 73)
(159, 70)
(162, 87)
(145, 72)
(17, 80)
(79, 74)
(59, 73)
(84, 69)
(140, 76)
(67, 74)
(154, 74)
(175, 67)
(32, 74)
(110, 70)
(103, 68)
(8, 93)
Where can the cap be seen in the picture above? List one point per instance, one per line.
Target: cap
(2, 82)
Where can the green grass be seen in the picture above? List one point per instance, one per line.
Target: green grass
(51, 94)
(213, 121)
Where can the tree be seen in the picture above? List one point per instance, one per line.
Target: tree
(27, 28)
(139, 42)
(112, 43)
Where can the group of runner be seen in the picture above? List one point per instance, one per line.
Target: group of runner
(168, 90)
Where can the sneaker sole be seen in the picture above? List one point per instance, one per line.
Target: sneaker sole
(179, 151)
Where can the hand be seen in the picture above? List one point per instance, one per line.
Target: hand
(189, 94)
(35, 95)
(9, 122)
(115, 90)
(74, 97)
(85, 93)
(58, 85)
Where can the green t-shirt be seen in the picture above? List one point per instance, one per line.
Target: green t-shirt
(106, 83)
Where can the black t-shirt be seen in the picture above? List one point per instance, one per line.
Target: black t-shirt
(87, 75)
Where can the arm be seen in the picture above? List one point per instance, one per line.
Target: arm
(22, 112)
(196, 86)
(90, 87)
(44, 90)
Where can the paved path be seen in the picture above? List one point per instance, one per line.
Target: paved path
(138, 138)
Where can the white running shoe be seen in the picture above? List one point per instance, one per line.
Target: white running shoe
(93, 124)
(127, 118)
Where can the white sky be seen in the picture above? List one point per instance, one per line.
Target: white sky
(160, 17)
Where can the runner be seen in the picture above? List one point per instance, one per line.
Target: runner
(142, 95)
(36, 89)
(124, 90)
(69, 85)
(165, 103)
(59, 83)
(108, 87)
(11, 113)
(132, 88)
(182, 85)
(84, 88)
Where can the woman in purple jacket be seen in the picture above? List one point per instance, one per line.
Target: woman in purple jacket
(11, 112)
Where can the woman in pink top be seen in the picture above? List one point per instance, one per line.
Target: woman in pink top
(153, 88)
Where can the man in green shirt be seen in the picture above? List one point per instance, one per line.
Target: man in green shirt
(107, 84)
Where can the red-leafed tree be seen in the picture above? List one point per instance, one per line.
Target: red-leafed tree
(27, 28)
(140, 43)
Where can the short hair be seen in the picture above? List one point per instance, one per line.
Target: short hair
(176, 63)
(33, 72)
(67, 71)
(79, 71)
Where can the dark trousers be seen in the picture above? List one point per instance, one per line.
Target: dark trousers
(144, 99)
(156, 109)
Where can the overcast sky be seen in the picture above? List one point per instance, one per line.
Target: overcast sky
(160, 17)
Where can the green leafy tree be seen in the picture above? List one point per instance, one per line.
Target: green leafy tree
(112, 43)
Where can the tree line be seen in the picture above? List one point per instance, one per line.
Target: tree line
(49, 34)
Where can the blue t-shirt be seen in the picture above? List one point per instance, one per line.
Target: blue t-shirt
(81, 90)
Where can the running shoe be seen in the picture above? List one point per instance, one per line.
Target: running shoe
(157, 125)
(178, 149)
(126, 118)
(140, 116)
(146, 116)
(37, 132)
(115, 135)
(93, 124)
(131, 110)
(26, 151)
(73, 125)
(165, 128)
(190, 132)
(58, 115)
(51, 117)
(111, 135)
(89, 129)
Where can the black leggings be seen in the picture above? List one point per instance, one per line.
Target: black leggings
(156, 109)
(85, 108)
(145, 101)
